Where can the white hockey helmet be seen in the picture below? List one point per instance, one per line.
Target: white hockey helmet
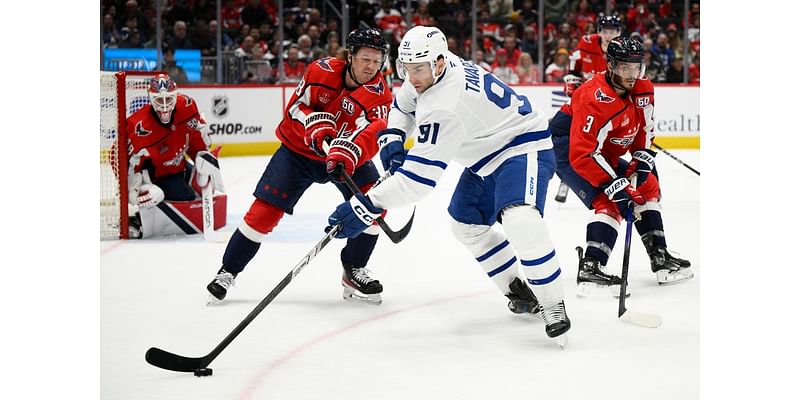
(421, 44)
(163, 94)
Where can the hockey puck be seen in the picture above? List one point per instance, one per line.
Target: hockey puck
(203, 372)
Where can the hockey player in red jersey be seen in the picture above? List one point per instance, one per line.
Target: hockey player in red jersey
(589, 57)
(160, 137)
(341, 101)
(609, 116)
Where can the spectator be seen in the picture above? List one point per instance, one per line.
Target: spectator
(132, 41)
(314, 33)
(304, 51)
(510, 45)
(259, 69)
(175, 71)
(694, 70)
(459, 27)
(293, 68)
(390, 21)
(584, 17)
(203, 40)
(314, 18)
(179, 11)
(245, 50)
(559, 67)
(244, 31)
(530, 43)
(254, 14)
(479, 61)
(502, 69)
(501, 9)
(131, 11)
(301, 11)
(332, 40)
(662, 51)
(231, 15)
(654, 70)
(111, 37)
(331, 26)
(675, 41)
(527, 13)
(227, 42)
(179, 39)
(423, 16)
(204, 11)
(259, 41)
(527, 72)
(131, 25)
(675, 70)
(452, 45)
(554, 10)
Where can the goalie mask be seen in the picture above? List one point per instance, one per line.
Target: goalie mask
(163, 94)
(421, 44)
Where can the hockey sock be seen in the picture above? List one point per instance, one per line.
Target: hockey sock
(239, 252)
(260, 220)
(492, 251)
(651, 224)
(357, 251)
(527, 232)
(601, 235)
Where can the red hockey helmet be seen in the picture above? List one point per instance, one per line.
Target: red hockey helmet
(163, 93)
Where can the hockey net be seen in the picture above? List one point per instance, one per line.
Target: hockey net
(121, 94)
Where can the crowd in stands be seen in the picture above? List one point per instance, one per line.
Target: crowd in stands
(507, 32)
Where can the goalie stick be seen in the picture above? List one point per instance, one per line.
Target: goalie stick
(630, 316)
(174, 362)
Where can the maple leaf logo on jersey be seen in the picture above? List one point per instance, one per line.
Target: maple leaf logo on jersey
(376, 88)
(323, 63)
(140, 131)
(602, 97)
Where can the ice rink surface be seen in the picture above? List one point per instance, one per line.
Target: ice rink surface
(442, 332)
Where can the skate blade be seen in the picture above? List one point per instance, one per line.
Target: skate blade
(561, 340)
(213, 301)
(673, 277)
(353, 295)
(588, 289)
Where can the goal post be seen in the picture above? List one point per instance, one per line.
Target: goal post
(121, 94)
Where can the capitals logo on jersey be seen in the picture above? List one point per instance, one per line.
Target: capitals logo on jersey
(140, 131)
(602, 97)
(324, 65)
(376, 88)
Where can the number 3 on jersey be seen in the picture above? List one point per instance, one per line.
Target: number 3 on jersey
(505, 100)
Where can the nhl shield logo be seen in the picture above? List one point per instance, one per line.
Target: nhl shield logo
(219, 106)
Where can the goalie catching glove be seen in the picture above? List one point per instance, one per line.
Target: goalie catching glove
(320, 128)
(392, 152)
(354, 216)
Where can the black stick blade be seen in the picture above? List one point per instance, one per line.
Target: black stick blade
(173, 362)
(397, 237)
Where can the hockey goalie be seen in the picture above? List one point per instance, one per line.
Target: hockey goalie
(174, 195)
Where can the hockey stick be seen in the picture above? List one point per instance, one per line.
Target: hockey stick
(633, 317)
(174, 362)
(395, 237)
(676, 159)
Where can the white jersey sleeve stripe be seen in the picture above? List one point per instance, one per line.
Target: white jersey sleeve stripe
(524, 138)
(416, 178)
(597, 155)
(426, 161)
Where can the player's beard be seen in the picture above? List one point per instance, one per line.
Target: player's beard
(620, 84)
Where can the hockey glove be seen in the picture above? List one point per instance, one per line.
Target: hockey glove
(571, 82)
(150, 195)
(622, 194)
(392, 152)
(345, 152)
(642, 165)
(320, 127)
(354, 216)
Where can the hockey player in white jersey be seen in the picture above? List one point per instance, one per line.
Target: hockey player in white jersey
(458, 112)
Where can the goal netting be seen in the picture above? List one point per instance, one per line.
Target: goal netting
(121, 94)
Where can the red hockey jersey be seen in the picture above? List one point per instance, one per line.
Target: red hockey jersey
(588, 58)
(605, 126)
(166, 146)
(360, 113)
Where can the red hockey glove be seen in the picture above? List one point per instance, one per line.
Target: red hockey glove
(345, 152)
(320, 127)
(571, 82)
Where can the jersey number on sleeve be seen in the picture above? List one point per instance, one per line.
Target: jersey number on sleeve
(505, 100)
(425, 133)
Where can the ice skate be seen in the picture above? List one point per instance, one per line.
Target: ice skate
(218, 288)
(359, 286)
(669, 268)
(557, 322)
(135, 226)
(521, 299)
(593, 280)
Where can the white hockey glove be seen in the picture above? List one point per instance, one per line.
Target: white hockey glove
(150, 195)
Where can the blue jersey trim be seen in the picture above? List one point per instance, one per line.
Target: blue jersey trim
(416, 178)
(519, 140)
(538, 261)
(545, 280)
(426, 161)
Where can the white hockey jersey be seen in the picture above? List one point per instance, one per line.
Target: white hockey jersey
(469, 116)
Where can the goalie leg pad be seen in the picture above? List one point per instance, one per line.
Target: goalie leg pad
(180, 217)
(527, 232)
(492, 251)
